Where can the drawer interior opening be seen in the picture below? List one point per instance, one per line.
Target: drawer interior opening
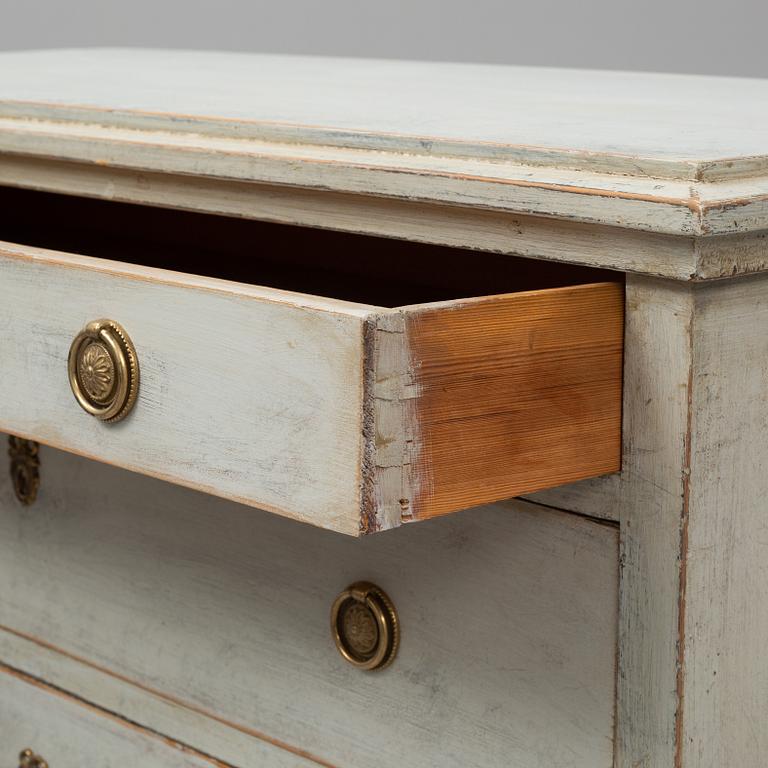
(361, 268)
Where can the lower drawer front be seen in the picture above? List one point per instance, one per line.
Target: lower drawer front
(508, 617)
(66, 733)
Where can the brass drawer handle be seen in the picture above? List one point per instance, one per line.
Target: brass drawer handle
(28, 759)
(25, 468)
(365, 626)
(104, 370)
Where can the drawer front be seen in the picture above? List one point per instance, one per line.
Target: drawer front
(508, 618)
(351, 417)
(67, 733)
(254, 399)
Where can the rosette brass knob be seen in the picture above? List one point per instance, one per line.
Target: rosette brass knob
(365, 626)
(104, 370)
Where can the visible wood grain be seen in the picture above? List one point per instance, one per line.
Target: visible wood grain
(514, 393)
(276, 399)
(508, 621)
(662, 175)
(68, 733)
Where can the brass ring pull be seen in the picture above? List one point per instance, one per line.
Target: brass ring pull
(104, 370)
(28, 759)
(365, 626)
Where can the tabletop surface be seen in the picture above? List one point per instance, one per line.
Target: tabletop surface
(481, 109)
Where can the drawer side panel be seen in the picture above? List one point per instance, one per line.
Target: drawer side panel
(514, 394)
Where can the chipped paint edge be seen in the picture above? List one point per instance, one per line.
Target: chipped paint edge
(390, 430)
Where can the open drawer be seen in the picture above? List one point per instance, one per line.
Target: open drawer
(351, 382)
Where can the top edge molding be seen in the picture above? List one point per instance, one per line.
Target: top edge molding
(685, 127)
(400, 143)
(666, 154)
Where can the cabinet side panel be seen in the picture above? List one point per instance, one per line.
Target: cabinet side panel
(725, 660)
(515, 393)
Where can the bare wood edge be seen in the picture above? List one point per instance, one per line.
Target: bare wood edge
(388, 424)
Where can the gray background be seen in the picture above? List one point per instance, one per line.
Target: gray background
(705, 37)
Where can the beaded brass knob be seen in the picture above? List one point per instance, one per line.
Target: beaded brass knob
(365, 626)
(104, 370)
(28, 759)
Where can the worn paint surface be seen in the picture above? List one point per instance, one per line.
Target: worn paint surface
(688, 164)
(226, 613)
(70, 731)
(248, 393)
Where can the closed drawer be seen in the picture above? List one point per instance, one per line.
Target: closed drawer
(68, 733)
(508, 621)
(349, 415)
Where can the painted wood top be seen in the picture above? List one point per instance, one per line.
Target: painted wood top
(678, 154)
(482, 109)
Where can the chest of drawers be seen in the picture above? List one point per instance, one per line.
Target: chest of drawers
(376, 414)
